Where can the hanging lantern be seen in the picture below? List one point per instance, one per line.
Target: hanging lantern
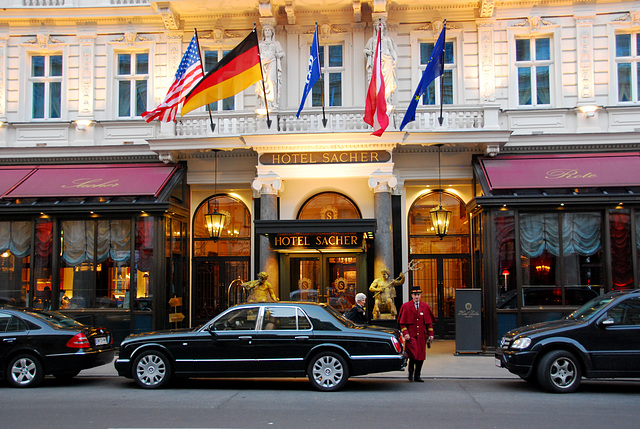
(440, 219)
(215, 222)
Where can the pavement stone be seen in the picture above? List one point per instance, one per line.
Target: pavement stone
(442, 362)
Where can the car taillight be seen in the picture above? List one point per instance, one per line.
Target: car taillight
(396, 344)
(79, 341)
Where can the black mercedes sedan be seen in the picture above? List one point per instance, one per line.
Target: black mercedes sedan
(599, 340)
(266, 339)
(35, 343)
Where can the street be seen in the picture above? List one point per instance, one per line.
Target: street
(367, 402)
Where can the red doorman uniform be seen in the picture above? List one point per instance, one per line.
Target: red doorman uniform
(416, 319)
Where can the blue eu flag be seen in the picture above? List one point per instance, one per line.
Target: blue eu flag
(435, 68)
(314, 70)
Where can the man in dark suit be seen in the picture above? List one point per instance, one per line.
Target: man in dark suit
(416, 324)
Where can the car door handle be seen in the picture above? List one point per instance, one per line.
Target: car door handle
(244, 337)
(8, 340)
(302, 337)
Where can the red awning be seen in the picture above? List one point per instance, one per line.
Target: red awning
(87, 180)
(562, 171)
(10, 176)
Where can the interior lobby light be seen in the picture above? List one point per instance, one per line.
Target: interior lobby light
(440, 217)
(215, 221)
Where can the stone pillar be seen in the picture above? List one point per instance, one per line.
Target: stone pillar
(382, 184)
(268, 187)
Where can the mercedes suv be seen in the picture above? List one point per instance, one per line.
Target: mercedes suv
(599, 340)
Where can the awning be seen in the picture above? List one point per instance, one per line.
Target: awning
(86, 180)
(562, 171)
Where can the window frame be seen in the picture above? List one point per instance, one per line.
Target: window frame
(633, 60)
(27, 100)
(133, 77)
(222, 47)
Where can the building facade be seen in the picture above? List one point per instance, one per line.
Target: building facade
(102, 215)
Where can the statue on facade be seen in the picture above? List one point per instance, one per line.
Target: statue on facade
(389, 59)
(260, 290)
(384, 290)
(271, 55)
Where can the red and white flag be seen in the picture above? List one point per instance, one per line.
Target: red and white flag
(375, 111)
(188, 75)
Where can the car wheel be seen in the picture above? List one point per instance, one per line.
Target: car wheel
(559, 372)
(151, 370)
(25, 371)
(66, 376)
(328, 372)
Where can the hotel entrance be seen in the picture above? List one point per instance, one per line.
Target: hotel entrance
(332, 278)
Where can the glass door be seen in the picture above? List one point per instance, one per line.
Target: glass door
(327, 278)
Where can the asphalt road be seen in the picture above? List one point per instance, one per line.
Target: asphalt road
(370, 402)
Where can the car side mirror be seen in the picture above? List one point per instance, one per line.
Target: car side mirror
(212, 330)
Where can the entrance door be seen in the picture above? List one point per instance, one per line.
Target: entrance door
(439, 276)
(329, 278)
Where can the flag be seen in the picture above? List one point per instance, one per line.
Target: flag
(314, 70)
(235, 72)
(187, 77)
(435, 68)
(375, 111)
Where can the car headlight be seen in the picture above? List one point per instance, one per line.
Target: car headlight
(521, 343)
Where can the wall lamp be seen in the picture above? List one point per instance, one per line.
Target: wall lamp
(589, 110)
(82, 124)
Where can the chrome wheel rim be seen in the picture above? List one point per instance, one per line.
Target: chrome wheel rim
(563, 372)
(328, 371)
(151, 370)
(23, 371)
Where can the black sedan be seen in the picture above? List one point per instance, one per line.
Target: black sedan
(599, 340)
(34, 343)
(284, 339)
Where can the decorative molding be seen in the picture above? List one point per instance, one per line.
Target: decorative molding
(288, 8)
(170, 18)
(131, 38)
(357, 10)
(486, 8)
(265, 9)
(535, 22)
(44, 40)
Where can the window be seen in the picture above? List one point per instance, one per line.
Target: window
(628, 69)
(533, 64)
(132, 75)
(46, 86)
(211, 59)
(432, 95)
(332, 67)
(241, 319)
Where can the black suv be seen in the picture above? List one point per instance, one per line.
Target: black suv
(599, 340)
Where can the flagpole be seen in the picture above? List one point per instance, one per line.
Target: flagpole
(213, 126)
(324, 118)
(441, 119)
(264, 87)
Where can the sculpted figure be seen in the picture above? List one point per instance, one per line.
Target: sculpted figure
(271, 54)
(260, 289)
(389, 59)
(384, 290)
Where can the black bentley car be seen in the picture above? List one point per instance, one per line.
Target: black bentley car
(34, 343)
(599, 340)
(267, 339)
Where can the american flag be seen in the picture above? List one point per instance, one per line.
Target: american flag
(188, 75)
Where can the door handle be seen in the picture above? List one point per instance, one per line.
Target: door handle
(302, 337)
(8, 340)
(244, 337)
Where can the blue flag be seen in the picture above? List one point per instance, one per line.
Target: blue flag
(435, 68)
(314, 70)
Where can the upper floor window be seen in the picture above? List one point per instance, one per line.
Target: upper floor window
(627, 63)
(432, 95)
(132, 75)
(533, 64)
(46, 82)
(211, 59)
(332, 68)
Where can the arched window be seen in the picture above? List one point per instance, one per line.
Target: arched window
(422, 237)
(235, 239)
(328, 206)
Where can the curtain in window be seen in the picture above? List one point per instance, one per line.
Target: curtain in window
(44, 240)
(581, 233)
(16, 237)
(621, 266)
(79, 241)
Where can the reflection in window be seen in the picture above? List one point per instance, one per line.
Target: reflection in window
(328, 206)
(239, 319)
(628, 66)
(235, 239)
(533, 62)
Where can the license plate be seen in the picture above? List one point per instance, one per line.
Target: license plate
(498, 363)
(101, 341)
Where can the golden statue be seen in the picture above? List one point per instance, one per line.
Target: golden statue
(260, 289)
(384, 290)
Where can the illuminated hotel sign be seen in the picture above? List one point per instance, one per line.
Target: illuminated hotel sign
(307, 158)
(316, 241)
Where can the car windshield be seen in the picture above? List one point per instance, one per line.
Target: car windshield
(57, 319)
(590, 308)
(339, 317)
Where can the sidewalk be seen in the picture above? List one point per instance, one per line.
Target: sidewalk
(442, 362)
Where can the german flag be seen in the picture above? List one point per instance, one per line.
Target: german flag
(237, 70)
